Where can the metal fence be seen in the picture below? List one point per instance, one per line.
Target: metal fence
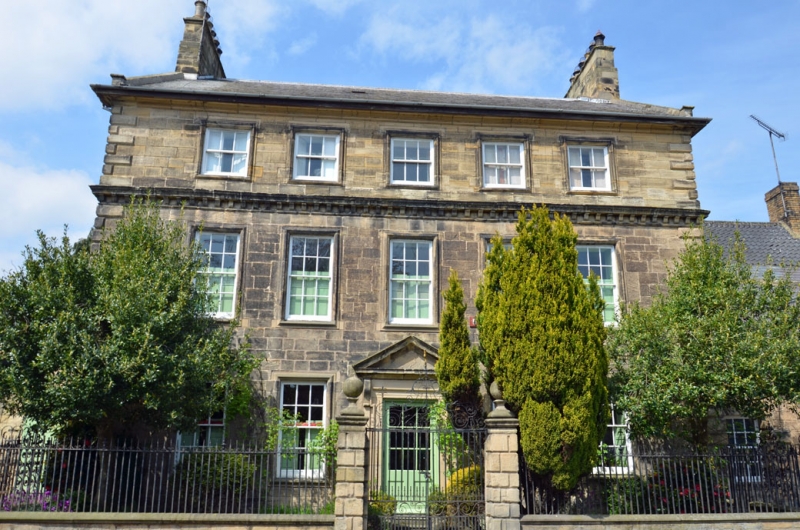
(424, 473)
(658, 480)
(84, 476)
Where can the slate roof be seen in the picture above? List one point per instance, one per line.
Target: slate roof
(764, 243)
(179, 84)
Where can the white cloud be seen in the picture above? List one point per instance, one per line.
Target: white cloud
(301, 46)
(585, 5)
(492, 53)
(41, 199)
(56, 47)
(242, 26)
(334, 7)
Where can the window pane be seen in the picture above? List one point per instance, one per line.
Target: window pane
(317, 394)
(502, 154)
(329, 168)
(214, 139)
(424, 253)
(599, 157)
(513, 154)
(425, 151)
(227, 163)
(303, 144)
(399, 149)
(213, 163)
(316, 145)
(489, 154)
(397, 171)
(423, 172)
(227, 140)
(411, 251)
(411, 151)
(600, 179)
(586, 176)
(514, 176)
(240, 143)
(586, 157)
(314, 167)
(575, 178)
(330, 147)
(239, 164)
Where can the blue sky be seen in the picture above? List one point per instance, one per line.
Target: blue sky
(728, 59)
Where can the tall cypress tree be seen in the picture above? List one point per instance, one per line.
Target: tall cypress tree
(541, 335)
(457, 368)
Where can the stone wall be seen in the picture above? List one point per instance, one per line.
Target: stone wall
(766, 521)
(160, 145)
(134, 521)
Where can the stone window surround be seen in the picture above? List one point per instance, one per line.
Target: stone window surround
(526, 140)
(341, 132)
(386, 264)
(433, 136)
(226, 125)
(582, 141)
(241, 232)
(288, 233)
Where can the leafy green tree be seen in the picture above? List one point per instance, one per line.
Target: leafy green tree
(98, 341)
(541, 334)
(718, 340)
(457, 369)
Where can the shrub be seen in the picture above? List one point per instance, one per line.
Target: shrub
(380, 504)
(216, 471)
(462, 495)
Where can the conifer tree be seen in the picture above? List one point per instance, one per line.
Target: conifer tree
(541, 335)
(457, 368)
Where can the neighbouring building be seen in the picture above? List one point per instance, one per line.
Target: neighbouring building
(773, 245)
(332, 215)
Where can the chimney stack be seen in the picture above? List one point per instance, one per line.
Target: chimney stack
(595, 76)
(783, 205)
(199, 51)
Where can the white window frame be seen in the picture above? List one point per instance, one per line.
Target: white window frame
(577, 185)
(410, 279)
(235, 274)
(307, 471)
(430, 163)
(618, 423)
(615, 277)
(298, 157)
(209, 424)
(233, 152)
(291, 277)
(742, 472)
(503, 165)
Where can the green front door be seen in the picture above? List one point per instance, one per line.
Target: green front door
(410, 460)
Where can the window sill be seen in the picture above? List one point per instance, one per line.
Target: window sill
(315, 181)
(590, 191)
(411, 327)
(406, 185)
(222, 176)
(503, 188)
(308, 323)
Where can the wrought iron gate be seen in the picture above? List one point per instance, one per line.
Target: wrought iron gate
(426, 467)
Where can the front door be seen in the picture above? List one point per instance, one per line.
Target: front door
(410, 460)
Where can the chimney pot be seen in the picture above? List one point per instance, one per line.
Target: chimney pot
(199, 9)
(599, 39)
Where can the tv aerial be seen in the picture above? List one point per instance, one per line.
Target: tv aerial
(772, 132)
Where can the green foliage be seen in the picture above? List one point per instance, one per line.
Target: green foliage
(380, 504)
(457, 368)
(718, 340)
(462, 494)
(95, 341)
(326, 444)
(217, 471)
(278, 424)
(541, 335)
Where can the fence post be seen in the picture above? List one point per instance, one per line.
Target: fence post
(350, 508)
(502, 467)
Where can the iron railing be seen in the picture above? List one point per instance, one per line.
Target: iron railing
(85, 476)
(658, 480)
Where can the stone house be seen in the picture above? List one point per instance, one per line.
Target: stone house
(773, 245)
(332, 215)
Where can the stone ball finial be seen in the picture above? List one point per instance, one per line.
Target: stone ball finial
(352, 387)
(494, 390)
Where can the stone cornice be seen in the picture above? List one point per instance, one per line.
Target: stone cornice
(504, 212)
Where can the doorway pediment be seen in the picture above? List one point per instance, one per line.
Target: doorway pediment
(410, 358)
